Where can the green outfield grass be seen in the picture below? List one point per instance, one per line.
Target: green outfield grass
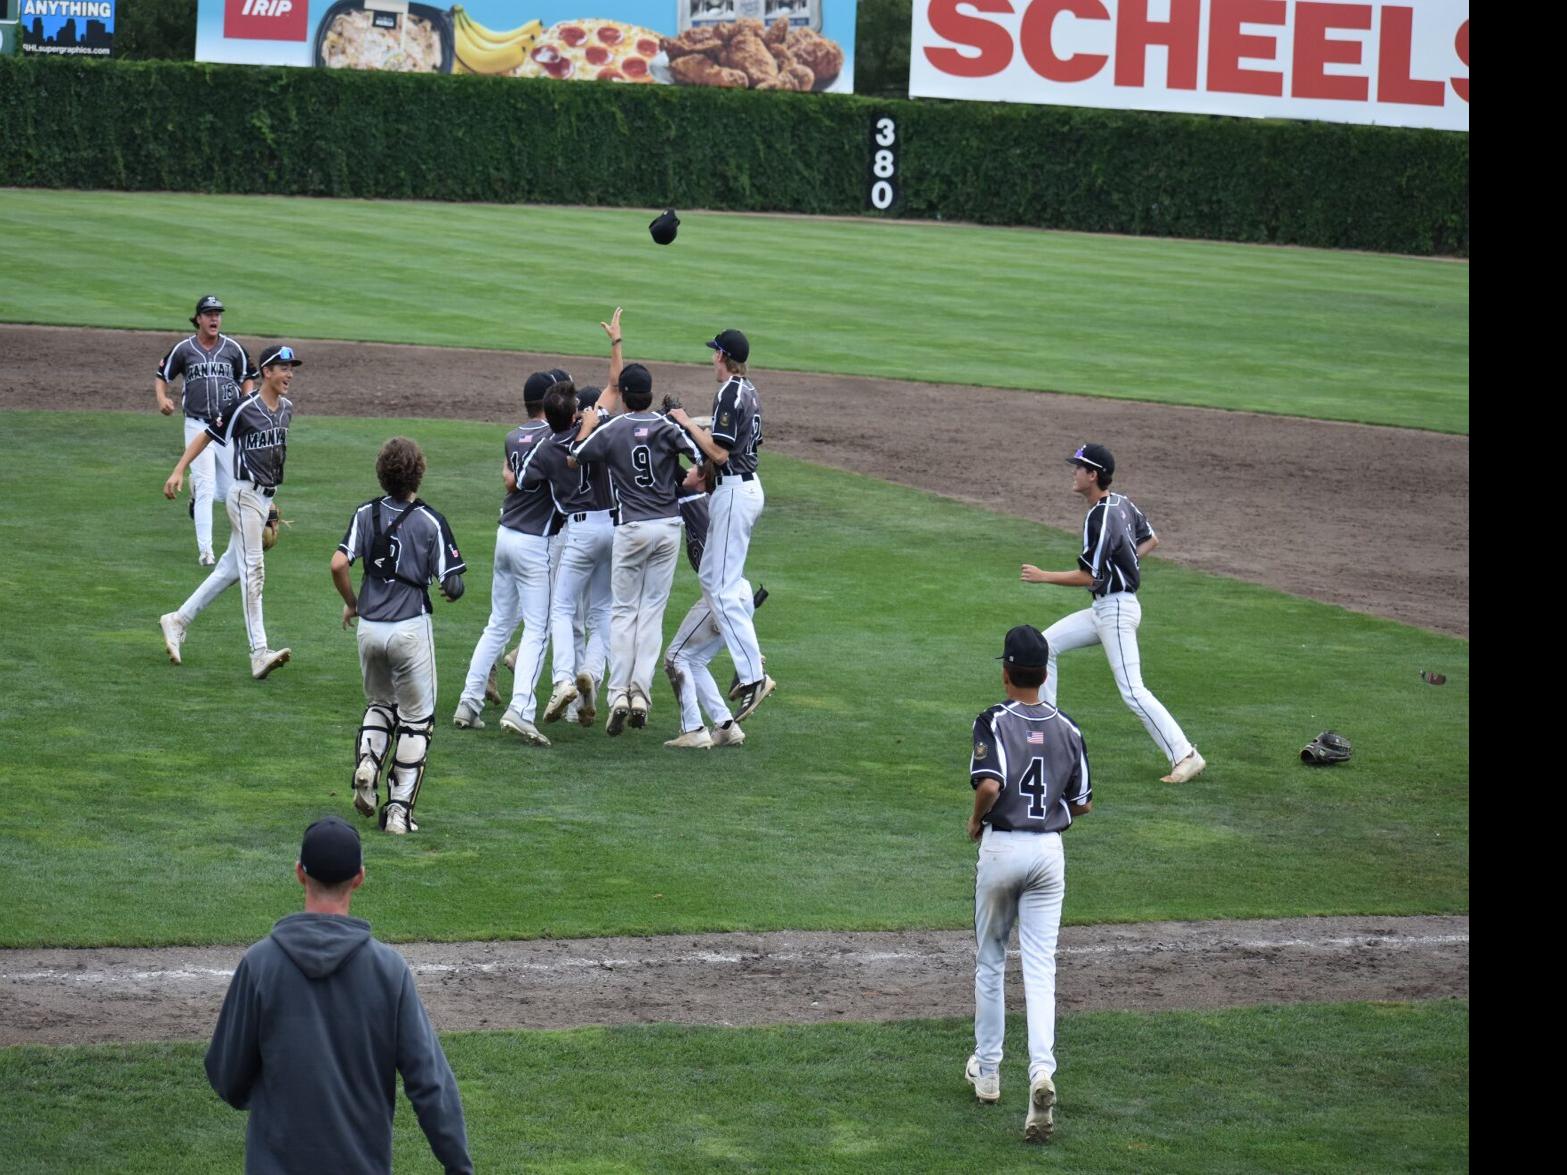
(154, 804)
(1341, 336)
(1324, 1088)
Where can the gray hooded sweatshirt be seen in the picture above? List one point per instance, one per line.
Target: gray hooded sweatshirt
(318, 1022)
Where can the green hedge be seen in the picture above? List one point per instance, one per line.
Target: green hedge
(184, 126)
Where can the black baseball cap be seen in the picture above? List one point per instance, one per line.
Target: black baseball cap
(1026, 648)
(1093, 457)
(205, 303)
(732, 343)
(664, 227)
(330, 852)
(539, 383)
(588, 396)
(278, 353)
(636, 378)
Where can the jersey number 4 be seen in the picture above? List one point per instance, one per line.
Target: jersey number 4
(1033, 786)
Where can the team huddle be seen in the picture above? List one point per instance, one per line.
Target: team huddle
(598, 489)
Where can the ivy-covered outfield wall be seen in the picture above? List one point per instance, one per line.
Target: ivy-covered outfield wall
(181, 126)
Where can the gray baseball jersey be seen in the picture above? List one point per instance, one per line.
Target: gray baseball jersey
(1037, 753)
(737, 425)
(642, 451)
(529, 508)
(423, 551)
(1112, 532)
(257, 438)
(211, 378)
(593, 490)
(695, 512)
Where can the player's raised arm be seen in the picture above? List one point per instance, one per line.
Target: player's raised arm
(616, 362)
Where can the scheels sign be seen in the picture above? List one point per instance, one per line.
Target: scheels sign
(1398, 62)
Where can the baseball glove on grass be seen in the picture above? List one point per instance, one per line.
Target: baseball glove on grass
(269, 532)
(1326, 749)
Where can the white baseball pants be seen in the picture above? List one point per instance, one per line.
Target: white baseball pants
(1020, 879)
(397, 659)
(691, 650)
(641, 575)
(733, 508)
(582, 591)
(240, 563)
(1112, 622)
(210, 478)
(519, 594)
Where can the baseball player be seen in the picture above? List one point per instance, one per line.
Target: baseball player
(216, 375)
(1029, 773)
(1115, 537)
(406, 546)
(698, 640)
(642, 451)
(736, 503)
(520, 589)
(255, 439)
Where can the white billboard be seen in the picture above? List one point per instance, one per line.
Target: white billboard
(1389, 62)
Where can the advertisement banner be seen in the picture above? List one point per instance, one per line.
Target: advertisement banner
(67, 28)
(740, 44)
(1389, 62)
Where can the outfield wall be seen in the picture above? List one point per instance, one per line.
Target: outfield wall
(177, 126)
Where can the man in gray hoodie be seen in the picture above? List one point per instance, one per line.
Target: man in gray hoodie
(317, 1023)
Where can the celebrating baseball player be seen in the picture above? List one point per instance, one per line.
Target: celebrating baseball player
(216, 375)
(406, 546)
(642, 451)
(1115, 537)
(255, 435)
(520, 590)
(1030, 778)
(698, 640)
(735, 504)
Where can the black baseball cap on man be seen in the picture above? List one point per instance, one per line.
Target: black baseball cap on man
(1026, 648)
(205, 304)
(732, 343)
(636, 378)
(278, 353)
(330, 852)
(538, 384)
(1093, 457)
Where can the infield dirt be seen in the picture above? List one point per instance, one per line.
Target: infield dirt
(1372, 519)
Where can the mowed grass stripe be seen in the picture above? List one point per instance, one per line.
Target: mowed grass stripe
(1339, 336)
(1309, 1088)
(150, 804)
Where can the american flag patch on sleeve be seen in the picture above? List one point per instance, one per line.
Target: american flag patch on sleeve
(640, 434)
(1036, 736)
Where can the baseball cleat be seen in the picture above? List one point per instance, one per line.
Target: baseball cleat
(728, 735)
(511, 659)
(619, 711)
(565, 694)
(397, 820)
(986, 1089)
(587, 690)
(173, 634)
(206, 559)
(513, 721)
(751, 697)
(639, 708)
(693, 740)
(1041, 1121)
(736, 685)
(264, 661)
(492, 691)
(365, 797)
(1188, 768)
(467, 717)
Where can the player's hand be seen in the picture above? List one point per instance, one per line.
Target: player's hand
(678, 415)
(165, 405)
(976, 828)
(171, 488)
(612, 327)
(1032, 574)
(350, 614)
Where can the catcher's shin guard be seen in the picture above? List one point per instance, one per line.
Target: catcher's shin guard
(407, 772)
(375, 736)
